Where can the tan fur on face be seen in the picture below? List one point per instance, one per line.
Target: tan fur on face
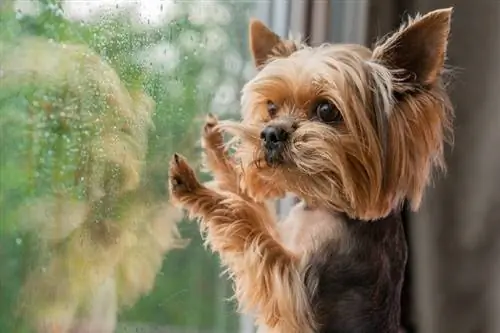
(396, 115)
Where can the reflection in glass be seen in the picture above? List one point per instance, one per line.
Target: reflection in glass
(94, 98)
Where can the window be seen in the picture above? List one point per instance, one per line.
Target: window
(95, 96)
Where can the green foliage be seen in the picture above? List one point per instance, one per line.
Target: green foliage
(79, 94)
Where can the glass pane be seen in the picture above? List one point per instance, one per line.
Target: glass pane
(95, 97)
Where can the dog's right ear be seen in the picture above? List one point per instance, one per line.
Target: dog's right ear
(264, 43)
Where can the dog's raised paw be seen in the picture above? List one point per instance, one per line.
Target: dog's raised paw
(211, 121)
(182, 177)
(210, 131)
(212, 136)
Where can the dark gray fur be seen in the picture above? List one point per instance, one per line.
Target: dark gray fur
(355, 284)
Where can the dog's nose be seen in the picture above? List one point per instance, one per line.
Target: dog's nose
(274, 139)
(272, 135)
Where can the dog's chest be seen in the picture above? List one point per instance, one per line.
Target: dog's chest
(305, 229)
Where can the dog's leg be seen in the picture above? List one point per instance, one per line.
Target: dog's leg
(267, 277)
(216, 157)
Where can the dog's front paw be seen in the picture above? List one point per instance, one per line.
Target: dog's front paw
(182, 178)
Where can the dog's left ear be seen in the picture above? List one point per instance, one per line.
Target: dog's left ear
(419, 49)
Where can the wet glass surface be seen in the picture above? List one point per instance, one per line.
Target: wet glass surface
(95, 96)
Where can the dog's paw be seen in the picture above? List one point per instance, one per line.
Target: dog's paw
(210, 122)
(212, 136)
(182, 178)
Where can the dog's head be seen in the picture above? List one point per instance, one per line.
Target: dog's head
(343, 126)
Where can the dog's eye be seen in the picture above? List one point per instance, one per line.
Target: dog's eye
(327, 112)
(272, 108)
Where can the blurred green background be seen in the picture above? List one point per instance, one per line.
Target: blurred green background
(91, 109)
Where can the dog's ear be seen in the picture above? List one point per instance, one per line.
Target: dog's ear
(418, 50)
(265, 43)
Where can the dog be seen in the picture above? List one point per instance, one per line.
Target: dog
(353, 132)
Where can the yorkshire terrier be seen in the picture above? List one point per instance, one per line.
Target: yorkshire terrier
(353, 133)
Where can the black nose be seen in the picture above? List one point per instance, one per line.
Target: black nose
(273, 135)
